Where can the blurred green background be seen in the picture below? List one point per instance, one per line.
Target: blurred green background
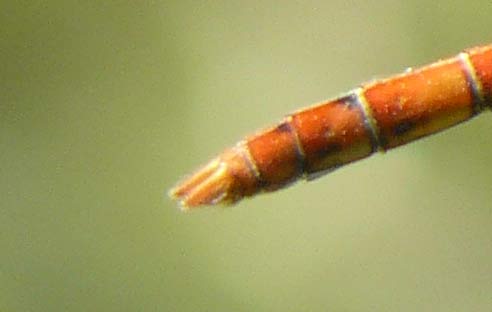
(105, 105)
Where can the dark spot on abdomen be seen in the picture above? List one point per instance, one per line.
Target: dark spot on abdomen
(328, 150)
(403, 127)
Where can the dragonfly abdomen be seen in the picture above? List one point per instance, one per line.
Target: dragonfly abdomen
(377, 116)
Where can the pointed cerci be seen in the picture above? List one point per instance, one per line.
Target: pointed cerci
(374, 117)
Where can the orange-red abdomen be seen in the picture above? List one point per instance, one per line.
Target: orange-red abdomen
(332, 134)
(377, 116)
(402, 114)
(275, 172)
(481, 59)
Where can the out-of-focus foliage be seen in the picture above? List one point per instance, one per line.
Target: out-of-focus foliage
(104, 105)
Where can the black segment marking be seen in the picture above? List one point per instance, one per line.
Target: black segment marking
(284, 127)
(350, 101)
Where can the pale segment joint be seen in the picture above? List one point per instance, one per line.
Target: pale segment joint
(300, 154)
(243, 150)
(369, 122)
(473, 82)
